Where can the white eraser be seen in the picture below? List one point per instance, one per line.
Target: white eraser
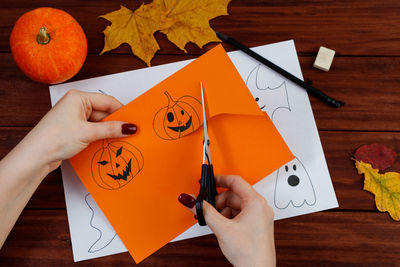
(324, 58)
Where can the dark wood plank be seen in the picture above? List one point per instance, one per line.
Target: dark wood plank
(353, 27)
(337, 239)
(320, 239)
(368, 86)
(364, 75)
(347, 182)
(372, 97)
(337, 146)
(42, 238)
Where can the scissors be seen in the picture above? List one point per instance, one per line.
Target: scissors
(208, 189)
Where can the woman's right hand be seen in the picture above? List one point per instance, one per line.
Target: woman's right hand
(245, 226)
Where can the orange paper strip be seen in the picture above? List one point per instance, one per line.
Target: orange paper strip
(136, 180)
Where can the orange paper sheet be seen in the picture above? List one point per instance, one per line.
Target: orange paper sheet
(136, 180)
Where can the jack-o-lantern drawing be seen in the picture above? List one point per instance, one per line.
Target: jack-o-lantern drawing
(116, 164)
(178, 118)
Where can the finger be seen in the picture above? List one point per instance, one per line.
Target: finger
(102, 102)
(89, 102)
(95, 101)
(235, 212)
(227, 199)
(108, 129)
(98, 115)
(214, 219)
(227, 212)
(189, 201)
(230, 213)
(236, 184)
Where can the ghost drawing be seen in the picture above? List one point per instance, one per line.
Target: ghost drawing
(99, 223)
(269, 99)
(293, 186)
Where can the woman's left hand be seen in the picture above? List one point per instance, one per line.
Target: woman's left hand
(63, 132)
(72, 124)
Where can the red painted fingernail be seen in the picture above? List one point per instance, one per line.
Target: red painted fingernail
(128, 128)
(187, 200)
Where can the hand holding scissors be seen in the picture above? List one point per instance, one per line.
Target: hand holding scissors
(245, 226)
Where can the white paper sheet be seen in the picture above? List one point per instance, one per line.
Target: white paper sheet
(300, 187)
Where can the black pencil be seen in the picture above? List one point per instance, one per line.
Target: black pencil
(327, 99)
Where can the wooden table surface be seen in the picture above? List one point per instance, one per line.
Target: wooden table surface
(365, 75)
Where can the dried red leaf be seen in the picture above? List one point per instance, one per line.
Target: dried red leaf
(379, 156)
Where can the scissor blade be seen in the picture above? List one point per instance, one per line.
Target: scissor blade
(206, 153)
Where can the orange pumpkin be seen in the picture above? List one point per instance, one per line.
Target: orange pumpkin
(48, 45)
(115, 164)
(178, 118)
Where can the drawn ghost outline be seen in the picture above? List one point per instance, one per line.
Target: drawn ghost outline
(292, 181)
(97, 246)
(279, 92)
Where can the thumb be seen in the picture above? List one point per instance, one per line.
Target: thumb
(215, 220)
(109, 129)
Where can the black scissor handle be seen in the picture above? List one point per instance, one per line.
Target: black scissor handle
(208, 191)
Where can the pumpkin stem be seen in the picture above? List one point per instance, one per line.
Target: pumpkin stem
(105, 143)
(169, 98)
(43, 37)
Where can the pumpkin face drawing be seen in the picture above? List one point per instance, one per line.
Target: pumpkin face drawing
(116, 164)
(178, 118)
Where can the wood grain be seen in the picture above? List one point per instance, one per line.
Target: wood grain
(40, 238)
(337, 239)
(352, 27)
(372, 97)
(365, 75)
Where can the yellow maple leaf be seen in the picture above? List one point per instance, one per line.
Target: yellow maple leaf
(192, 20)
(182, 21)
(136, 29)
(385, 187)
